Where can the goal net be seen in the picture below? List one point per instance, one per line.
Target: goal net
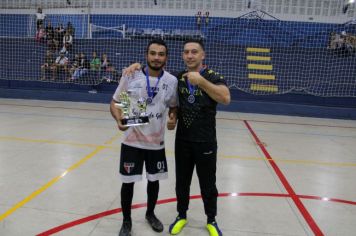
(257, 52)
(99, 32)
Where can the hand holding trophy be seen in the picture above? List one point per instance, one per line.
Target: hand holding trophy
(132, 117)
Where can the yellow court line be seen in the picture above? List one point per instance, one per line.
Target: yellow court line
(259, 67)
(113, 138)
(261, 76)
(8, 138)
(258, 58)
(50, 183)
(267, 50)
(305, 162)
(264, 87)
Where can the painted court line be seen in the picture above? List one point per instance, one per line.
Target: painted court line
(170, 200)
(302, 209)
(219, 118)
(171, 153)
(49, 184)
(27, 140)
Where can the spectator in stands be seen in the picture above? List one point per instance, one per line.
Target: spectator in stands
(64, 50)
(75, 65)
(82, 68)
(40, 34)
(348, 46)
(199, 20)
(58, 36)
(60, 65)
(207, 18)
(109, 72)
(95, 62)
(50, 36)
(49, 31)
(336, 41)
(40, 16)
(70, 29)
(46, 67)
(68, 40)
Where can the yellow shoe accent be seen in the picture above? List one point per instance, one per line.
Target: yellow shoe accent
(177, 226)
(214, 229)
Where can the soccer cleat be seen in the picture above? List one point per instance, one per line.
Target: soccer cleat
(125, 228)
(154, 223)
(177, 225)
(214, 229)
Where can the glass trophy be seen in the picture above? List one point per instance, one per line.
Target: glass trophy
(133, 109)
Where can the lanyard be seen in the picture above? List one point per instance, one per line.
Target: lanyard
(192, 87)
(149, 89)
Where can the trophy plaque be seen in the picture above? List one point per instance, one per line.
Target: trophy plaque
(133, 109)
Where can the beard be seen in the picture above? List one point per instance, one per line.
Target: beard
(156, 68)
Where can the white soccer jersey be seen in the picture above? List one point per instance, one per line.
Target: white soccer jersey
(150, 136)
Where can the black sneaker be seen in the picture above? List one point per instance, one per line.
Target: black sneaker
(125, 228)
(154, 223)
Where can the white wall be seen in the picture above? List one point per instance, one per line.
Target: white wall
(329, 11)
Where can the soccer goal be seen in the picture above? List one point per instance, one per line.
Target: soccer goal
(97, 31)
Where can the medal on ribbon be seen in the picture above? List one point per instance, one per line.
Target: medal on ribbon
(191, 97)
(150, 91)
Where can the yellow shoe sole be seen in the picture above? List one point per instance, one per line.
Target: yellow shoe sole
(177, 226)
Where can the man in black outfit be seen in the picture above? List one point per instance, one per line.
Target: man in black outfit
(200, 89)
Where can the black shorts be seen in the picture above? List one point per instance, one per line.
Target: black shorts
(39, 23)
(131, 164)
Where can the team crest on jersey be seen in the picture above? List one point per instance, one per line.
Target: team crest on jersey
(128, 166)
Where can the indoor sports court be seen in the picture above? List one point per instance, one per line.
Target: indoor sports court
(277, 175)
(286, 162)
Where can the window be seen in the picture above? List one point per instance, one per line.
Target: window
(326, 8)
(193, 4)
(223, 5)
(317, 11)
(239, 5)
(302, 11)
(139, 4)
(171, 4)
(103, 4)
(178, 4)
(216, 4)
(200, 4)
(231, 5)
(185, 4)
(310, 11)
(164, 4)
(110, 4)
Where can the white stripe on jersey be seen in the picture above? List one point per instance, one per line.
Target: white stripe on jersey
(150, 136)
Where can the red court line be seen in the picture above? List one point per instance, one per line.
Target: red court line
(327, 199)
(308, 218)
(169, 200)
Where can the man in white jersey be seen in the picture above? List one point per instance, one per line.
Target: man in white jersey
(40, 16)
(145, 144)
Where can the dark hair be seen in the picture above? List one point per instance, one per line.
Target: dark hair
(159, 42)
(198, 41)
